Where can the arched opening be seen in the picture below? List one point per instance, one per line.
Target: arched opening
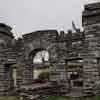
(40, 58)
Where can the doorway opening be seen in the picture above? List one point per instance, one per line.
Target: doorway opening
(75, 72)
(10, 70)
(40, 59)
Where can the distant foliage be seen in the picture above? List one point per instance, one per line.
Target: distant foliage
(44, 76)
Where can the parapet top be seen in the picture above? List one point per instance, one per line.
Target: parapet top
(41, 33)
(92, 10)
(6, 29)
(93, 6)
(2, 25)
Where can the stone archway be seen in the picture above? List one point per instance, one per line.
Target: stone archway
(40, 61)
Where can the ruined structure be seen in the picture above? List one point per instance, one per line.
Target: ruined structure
(74, 58)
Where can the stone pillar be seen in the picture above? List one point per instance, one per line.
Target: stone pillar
(28, 72)
(19, 74)
(24, 71)
(58, 69)
(57, 64)
(24, 65)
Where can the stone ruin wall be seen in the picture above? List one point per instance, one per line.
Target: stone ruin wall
(62, 48)
(91, 25)
(84, 45)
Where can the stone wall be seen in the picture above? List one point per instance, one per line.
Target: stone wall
(64, 49)
(91, 25)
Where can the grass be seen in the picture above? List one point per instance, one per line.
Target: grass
(91, 98)
(51, 98)
(9, 98)
(63, 98)
(55, 98)
(47, 98)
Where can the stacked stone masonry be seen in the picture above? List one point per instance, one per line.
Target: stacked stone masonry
(74, 58)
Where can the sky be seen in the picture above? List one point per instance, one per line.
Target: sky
(26, 16)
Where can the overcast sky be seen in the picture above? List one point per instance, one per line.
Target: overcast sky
(31, 15)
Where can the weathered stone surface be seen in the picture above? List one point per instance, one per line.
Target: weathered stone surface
(74, 58)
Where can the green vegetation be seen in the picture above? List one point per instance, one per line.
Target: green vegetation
(91, 98)
(67, 98)
(9, 98)
(55, 98)
(44, 75)
(51, 98)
